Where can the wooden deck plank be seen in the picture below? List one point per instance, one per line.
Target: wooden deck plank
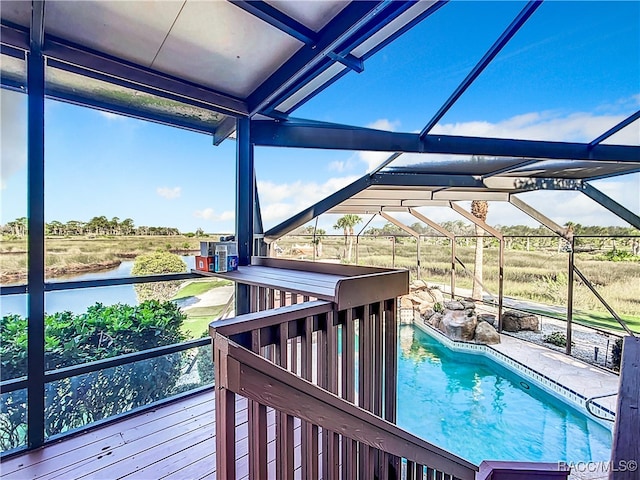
(99, 438)
(187, 420)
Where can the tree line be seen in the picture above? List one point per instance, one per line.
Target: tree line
(96, 226)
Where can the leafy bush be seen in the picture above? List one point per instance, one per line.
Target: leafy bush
(558, 339)
(157, 263)
(101, 332)
(619, 256)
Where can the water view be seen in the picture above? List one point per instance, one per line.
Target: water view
(78, 300)
(478, 410)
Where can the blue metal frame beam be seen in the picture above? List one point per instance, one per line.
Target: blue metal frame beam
(343, 137)
(295, 29)
(615, 129)
(476, 221)
(343, 31)
(319, 208)
(399, 224)
(426, 180)
(539, 217)
(511, 30)
(431, 9)
(610, 204)
(36, 224)
(277, 19)
(223, 130)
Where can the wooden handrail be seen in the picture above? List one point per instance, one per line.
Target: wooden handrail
(625, 453)
(247, 374)
(269, 318)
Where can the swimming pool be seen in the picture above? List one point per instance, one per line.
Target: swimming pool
(479, 410)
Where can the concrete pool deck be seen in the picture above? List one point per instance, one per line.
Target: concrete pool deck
(574, 374)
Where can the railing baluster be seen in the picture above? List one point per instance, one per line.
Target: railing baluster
(225, 401)
(411, 470)
(378, 355)
(309, 431)
(262, 299)
(431, 474)
(349, 447)
(388, 315)
(284, 422)
(257, 427)
(333, 439)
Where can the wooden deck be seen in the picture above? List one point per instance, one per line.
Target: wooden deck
(176, 441)
(172, 441)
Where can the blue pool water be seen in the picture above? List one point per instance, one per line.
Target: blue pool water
(479, 410)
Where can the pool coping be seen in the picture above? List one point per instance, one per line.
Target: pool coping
(542, 381)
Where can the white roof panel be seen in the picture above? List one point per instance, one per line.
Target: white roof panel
(219, 45)
(313, 14)
(130, 30)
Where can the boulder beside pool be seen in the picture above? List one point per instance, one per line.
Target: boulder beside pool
(486, 334)
(515, 321)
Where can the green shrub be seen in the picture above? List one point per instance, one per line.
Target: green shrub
(153, 264)
(619, 256)
(101, 332)
(558, 339)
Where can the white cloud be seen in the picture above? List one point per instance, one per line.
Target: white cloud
(13, 139)
(337, 166)
(111, 116)
(279, 201)
(385, 124)
(168, 192)
(211, 215)
(550, 126)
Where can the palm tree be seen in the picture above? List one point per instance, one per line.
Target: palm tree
(346, 223)
(479, 209)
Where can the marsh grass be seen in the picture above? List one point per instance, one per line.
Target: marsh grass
(536, 275)
(75, 252)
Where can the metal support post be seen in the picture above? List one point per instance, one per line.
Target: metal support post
(500, 284)
(453, 267)
(570, 296)
(245, 194)
(418, 256)
(36, 230)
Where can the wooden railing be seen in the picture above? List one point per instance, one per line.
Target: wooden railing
(321, 390)
(625, 453)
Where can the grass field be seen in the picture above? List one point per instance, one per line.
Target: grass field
(70, 253)
(537, 275)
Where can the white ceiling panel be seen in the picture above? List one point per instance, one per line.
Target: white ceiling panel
(18, 12)
(219, 45)
(313, 14)
(131, 30)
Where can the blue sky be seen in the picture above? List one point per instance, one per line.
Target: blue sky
(569, 74)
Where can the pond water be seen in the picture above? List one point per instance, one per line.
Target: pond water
(78, 300)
